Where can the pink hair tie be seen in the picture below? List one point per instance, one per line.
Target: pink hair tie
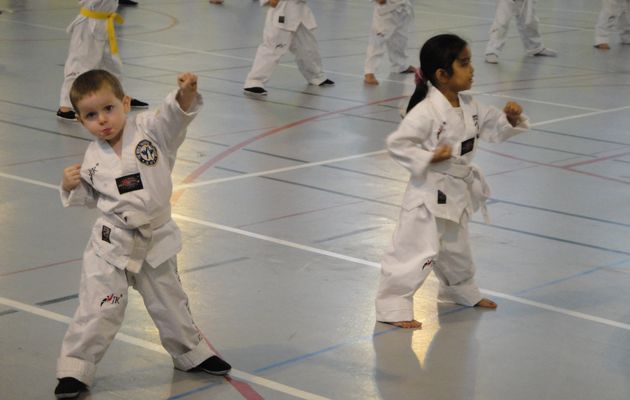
(419, 76)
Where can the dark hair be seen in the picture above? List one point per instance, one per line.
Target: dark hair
(93, 81)
(439, 52)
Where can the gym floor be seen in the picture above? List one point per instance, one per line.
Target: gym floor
(287, 203)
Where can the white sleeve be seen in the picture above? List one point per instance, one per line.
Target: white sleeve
(82, 195)
(405, 145)
(167, 125)
(494, 125)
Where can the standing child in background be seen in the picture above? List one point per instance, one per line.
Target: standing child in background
(289, 26)
(527, 24)
(613, 16)
(92, 45)
(390, 26)
(126, 174)
(436, 142)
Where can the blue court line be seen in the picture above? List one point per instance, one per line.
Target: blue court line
(556, 239)
(567, 278)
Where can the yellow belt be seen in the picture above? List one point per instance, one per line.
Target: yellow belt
(111, 19)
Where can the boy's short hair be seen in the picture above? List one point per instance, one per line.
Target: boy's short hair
(92, 81)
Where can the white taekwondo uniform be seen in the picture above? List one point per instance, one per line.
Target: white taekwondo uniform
(90, 47)
(526, 22)
(134, 242)
(389, 32)
(613, 16)
(432, 231)
(288, 27)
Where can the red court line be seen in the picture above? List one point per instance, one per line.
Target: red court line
(205, 166)
(243, 388)
(563, 167)
(597, 159)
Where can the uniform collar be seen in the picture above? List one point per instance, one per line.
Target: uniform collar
(440, 101)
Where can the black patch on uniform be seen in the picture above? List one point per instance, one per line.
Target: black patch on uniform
(441, 197)
(105, 233)
(129, 183)
(146, 153)
(281, 19)
(476, 121)
(468, 145)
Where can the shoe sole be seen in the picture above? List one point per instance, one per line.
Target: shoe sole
(217, 373)
(68, 395)
(67, 119)
(254, 94)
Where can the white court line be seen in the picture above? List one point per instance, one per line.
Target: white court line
(298, 246)
(277, 170)
(549, 103)
(159, 349)
(31, 181)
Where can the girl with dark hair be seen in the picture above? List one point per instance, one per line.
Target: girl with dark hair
(436, 142)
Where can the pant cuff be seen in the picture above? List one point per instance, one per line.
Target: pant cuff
(69, 367)
(194, 357)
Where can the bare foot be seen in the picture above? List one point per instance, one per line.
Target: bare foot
(486, 303)
(602, 46)
(65, 109)
(370, 79)
(413, 324)
(216, 1)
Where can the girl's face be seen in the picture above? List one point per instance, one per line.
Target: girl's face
(462, 77)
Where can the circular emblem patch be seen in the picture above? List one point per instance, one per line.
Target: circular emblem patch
(146, 152)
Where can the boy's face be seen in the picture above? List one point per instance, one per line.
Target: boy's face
(103, 114)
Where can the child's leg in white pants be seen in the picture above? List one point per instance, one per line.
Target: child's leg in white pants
(607, 20)
(500, 25)
(167, 305)
(85, 53)
(275, 44)
(406, 264)
(454, 267)
(397, 43)
(527, 24)
(304, 46)
(102, 303)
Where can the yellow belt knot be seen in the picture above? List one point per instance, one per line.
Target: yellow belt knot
(111, 18)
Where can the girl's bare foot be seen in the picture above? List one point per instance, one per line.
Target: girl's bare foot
(370, 79)
(216, 1)
(413, 324)
(602, 46)
(486, 303)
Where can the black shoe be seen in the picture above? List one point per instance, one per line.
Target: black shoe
(327, 82)
(67, 115)
(69, 388)
(214, 366)
(255, 90)
(135, 103)
(127, 3)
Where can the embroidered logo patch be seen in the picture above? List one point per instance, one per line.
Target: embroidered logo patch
(105, 233)
(112, 299)
(476, 121)
(468, 145)
(441, 197)
(146, 152)
(281, 19)
(129, 183)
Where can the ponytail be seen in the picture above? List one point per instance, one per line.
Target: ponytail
(422, 88)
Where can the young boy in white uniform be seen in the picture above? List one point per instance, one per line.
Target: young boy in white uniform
(92, 45)
(126, 174)
(289, 27)
(613, 16)
(527, 24)
(390, 26)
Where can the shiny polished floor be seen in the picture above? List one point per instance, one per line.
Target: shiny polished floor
(287, 203)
